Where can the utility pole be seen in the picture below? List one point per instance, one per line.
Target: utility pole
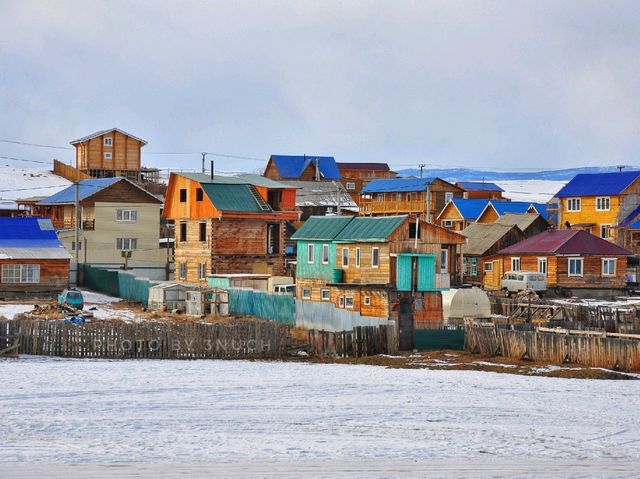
(338, 210)
(421, 166)
(204, 155)
(621, 167)
(76, 219)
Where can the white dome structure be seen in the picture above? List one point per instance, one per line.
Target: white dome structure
(470, 303)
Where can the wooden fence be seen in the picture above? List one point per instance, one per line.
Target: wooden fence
(589, 348)
(361, 341)
(148, 340)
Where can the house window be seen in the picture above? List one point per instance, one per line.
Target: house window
(202, 236)
(108, 155)
(448, 196)
(306, 293)
(515, 264)
(608, 266)
(542, 265)
(329, 210)
(126, 244)
(310, 253)
(325, 254)
(603, 203)
(199, 194)
(108, 141)
(488, 267)
(325, 294)
(414, 229)
(375, 257)
(183, 231)
(183, 195)
(574, 204)
(367, 300)
(444, 260)
(605, 231)
(348, 302)
(345, 257)
(20, 273)
(182, 270)
(202, 271)
(357, 257)
(575, 266)
(126, 215)
(474, 266)
(73, 246)
(447, 223)
(341, 302)
(351, 186)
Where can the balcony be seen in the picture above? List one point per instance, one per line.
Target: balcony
(68, 223)
(391, 207)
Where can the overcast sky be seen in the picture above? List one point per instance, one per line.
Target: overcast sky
(510, 84)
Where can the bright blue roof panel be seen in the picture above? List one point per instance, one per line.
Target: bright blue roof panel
(28, 233)
(87, 188)
(479, 186)
(470, 209)
(291, 167)
(393, 185)
(593, 184)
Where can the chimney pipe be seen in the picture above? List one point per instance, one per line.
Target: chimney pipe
(212, 169)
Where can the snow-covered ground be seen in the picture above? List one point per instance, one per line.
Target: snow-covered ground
(537, 191)
(345, 418)
(16, 182)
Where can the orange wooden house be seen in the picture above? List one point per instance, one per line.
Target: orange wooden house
(228, 224)
(356, 175)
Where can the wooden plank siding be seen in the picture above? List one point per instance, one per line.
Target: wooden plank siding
(54, 276)
(126, 153)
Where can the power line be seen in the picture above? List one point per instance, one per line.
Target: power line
(23, 159)
(34, 188)
(24, 143)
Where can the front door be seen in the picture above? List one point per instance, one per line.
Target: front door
(405, 324)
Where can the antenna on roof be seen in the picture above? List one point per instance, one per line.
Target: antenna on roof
(621, 167)
(421, 166)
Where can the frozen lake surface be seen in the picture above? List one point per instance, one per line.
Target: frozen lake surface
(272, 418)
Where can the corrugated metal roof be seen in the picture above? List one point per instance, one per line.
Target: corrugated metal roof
(521, 220)
(30, 238)
(478, 186)
(103, 132)
(291, 166)
(239, 179)
(322, 193)
(392, 185)
(232, 197)
(321, 227)
(594, 184)
(503, 207)
(630, 218)
(482, 236)
(469, 209)
(57, 252)
(363, 166)
(565, 242)
(370, 228)
(87, 188)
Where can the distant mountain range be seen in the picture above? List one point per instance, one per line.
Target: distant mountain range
(466, 174)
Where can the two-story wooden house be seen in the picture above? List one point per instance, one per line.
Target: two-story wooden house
(228, 224)
(356, 175)
(604, 204)
(460, 213)
(417, 196)
(372, 265)
(481, 190)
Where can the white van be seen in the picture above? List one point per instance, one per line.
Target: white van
(516, 281)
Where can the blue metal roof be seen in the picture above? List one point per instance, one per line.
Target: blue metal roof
(393, 185)
(593, 184)
(503, 207)
(470, 209)
(87, 188)
(28, 233)
(635, 226)
(630, 217)
(291, 167)
(478, 186)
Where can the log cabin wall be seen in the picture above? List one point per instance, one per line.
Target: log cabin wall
(125, 153)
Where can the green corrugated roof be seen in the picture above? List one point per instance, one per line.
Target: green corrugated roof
(321, 227)
(231, 197)
(241, 179)
(370, 228)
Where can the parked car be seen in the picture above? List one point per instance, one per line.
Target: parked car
(516, 281)
(285, 288)
(72, 298)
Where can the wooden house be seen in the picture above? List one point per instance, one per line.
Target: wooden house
(425, 197)
(302, 167)
(32, 258)
(116, 216)
(604, 204)
(574, 261)
(460, 213)
(481, 190)
(228, 224)
(373, 265)
(356, 175)
(496, 209)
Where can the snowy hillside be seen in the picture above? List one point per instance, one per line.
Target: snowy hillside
(467, 174)
(539, 191)
(18, 182)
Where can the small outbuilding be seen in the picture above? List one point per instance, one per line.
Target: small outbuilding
(169, 296)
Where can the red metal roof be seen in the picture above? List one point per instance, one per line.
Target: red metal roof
(565, 242)
(364, 166)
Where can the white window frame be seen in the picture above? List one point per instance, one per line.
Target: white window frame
(542, 260)
(357, 257)
(448, 196)
(108, 155)
(126, 244)
(447, 223)
(515, 259)
(182, 270)
(603, 199)
(474, 267)
(608, 229)
(18, 273)
(367, 300)
(609, 260)
(202, 271)
(351, 185)
(341, 302)
(345, 259)
(347, 300)
(327, 296)
(325, 254)
(576, 202)
(108, 141)
(310, 253)
(579, 260)
(488, 266)
(306, 293)
(444, 265)
(128, 216)
(375, 264)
